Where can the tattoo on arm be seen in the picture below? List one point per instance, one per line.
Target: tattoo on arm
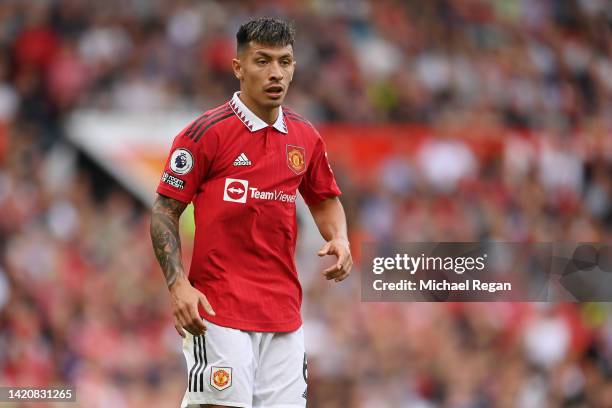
(165, 236)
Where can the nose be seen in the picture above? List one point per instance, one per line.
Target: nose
(276, 73)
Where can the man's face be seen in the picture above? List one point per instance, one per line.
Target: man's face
(265, 72)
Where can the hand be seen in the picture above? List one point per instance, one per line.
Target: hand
(185, 300)
(342, 268)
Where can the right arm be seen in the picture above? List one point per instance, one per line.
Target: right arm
(167, 246)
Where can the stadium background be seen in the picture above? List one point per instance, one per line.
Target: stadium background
(453, 120)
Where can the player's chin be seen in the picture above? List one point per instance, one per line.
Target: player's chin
(274, 101)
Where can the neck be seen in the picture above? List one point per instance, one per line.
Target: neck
(267, 115)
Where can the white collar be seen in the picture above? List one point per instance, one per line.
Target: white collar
(252, 121)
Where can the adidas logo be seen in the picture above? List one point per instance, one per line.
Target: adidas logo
(242, 160)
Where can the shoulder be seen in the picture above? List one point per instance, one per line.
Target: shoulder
(308, 133)
(298, 120)
(203, 124)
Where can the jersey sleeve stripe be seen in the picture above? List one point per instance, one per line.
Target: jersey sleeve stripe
(199, 118)
(293, 113)
(294, 117)
(207, 121)
(202, 119)
(211, 123)
(194, 123)
(290, 112)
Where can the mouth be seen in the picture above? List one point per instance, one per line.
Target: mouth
(274, 91)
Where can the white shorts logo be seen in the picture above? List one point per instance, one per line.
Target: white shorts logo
(221, 377)
(181, 161)
(235, 190)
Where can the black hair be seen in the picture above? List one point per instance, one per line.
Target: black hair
(266, 31)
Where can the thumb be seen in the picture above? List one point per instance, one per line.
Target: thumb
(206, 305)
(324, 250)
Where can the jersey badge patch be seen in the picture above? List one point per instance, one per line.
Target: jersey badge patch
(295, 158)
(181, 161)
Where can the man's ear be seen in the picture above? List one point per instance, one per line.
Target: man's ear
(237, 68)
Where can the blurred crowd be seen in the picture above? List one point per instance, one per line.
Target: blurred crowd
(521, 63)
(83, 302)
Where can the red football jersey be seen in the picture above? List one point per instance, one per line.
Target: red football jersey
(242, 176)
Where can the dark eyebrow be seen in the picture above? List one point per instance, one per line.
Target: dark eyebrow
(266, 55)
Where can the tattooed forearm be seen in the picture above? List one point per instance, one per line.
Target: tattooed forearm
(165, 236)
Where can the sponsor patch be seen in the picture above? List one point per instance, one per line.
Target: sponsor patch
(295, 159)
(221, 377)
(235, 190)
(173, 181)
(181, 161)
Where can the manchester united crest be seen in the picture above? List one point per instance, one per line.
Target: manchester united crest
(296, 158)
(221, 377)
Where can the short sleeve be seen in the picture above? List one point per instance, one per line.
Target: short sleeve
(186, 167)
(319, 182)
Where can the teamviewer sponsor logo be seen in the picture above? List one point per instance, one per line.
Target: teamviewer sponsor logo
(276, 195)
(235, 190)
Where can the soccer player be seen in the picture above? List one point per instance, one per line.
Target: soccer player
(241, 164)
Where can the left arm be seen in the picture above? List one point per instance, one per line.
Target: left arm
(331, 221)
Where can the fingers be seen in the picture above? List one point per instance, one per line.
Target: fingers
(335, 273)
(186, 300)
(180, 330)
(196, 321)
(342, 258)
(345, 273)
(346, 269)
(207, 307)
(341, 269)
(331, 270)
(325, 249)
(188, 318)
(193, 325)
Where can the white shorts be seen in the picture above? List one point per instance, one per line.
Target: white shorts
(238, 368)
